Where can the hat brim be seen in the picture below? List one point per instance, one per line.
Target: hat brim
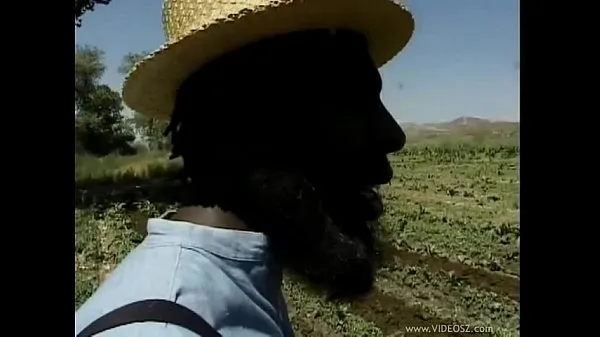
(151, 87)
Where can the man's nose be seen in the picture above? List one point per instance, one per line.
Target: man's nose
(388, 135)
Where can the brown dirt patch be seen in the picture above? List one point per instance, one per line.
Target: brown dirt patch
(393, 316)
(507, 285)
(313, 328)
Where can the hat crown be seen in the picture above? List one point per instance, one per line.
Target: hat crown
(181, 17)
(198, 31)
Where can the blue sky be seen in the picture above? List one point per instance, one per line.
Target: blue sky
(460, 61)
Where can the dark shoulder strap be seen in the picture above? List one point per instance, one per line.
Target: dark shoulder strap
(162, 311)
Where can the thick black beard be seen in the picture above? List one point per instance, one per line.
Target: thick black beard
(321, 233)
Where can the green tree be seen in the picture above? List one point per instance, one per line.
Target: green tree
(150, 129)
(100, 128)
(129, 61)
(89, 68)
(83, 6)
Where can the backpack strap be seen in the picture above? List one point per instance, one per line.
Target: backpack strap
(151, 311)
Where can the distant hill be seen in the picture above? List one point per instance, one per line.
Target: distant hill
(463, 128)
(466, 121)
(471, 122)
(460, 122)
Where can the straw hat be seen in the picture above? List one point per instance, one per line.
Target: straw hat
(199, 31)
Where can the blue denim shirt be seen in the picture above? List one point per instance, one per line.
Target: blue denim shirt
(226, 276)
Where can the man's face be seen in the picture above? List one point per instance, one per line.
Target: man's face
(355, 131)
(312, 155)
(325, 107)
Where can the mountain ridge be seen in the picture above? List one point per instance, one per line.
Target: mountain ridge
(462, 121)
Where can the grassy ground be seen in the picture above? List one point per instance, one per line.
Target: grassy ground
(114, 168)
(451, 232)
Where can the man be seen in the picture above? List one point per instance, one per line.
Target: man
(278, 118)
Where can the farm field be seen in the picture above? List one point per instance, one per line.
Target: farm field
(450, 233)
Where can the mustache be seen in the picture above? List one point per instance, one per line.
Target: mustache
(372, 205)
(355, 205)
